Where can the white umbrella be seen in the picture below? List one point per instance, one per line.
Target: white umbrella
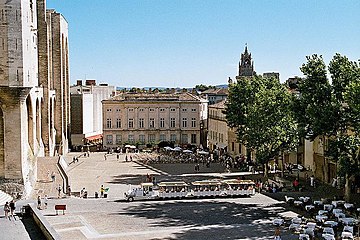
(203, 152)
(187, 151)
(178, 149)
(127, 146)
(133, 147)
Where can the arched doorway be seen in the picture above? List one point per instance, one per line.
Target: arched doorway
(2, 150)
(30, 121)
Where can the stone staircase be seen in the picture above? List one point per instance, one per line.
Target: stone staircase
(4, 197)
(44, 184)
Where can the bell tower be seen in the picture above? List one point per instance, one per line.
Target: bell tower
(246, 65)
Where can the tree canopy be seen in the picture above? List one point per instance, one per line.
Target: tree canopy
(260, 111)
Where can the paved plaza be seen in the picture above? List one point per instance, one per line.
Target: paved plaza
(113, 218)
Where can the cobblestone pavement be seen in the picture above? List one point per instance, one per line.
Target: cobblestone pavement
(113, 218)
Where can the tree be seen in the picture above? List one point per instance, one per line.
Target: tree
(332, 110)
(260, 111)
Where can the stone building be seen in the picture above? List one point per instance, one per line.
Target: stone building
(31, 68)
(215, 95)
(86, 111)
(220, 135)
(153, 117)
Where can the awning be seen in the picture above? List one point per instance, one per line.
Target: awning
(95, 137)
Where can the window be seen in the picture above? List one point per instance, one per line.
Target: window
(118, 123)
(193, 122)
(152, 109)
(151, 122)
(193, 138)
(172, 122)
(162, 122)
(184, 122)
(184, 109)
(141, 110)
(232, 146)
(172, 109)
(131, 109)
(109, 139)
(151, 138)
(162, 109)
(173, 137)
(131, 138)
(184, 138)
(131, 123)
(108, 110)
(142, 138)
(118, 139)
(141, 123)
(162, 137)
(193, 109)
(118, 109)
(108, 123)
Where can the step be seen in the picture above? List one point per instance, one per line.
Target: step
(4, 197)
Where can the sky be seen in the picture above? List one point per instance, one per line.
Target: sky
(182, 43)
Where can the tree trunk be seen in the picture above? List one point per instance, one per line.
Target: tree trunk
(347, 188)
(265, 170)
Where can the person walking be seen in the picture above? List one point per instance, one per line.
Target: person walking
(59, 190)
(312, 179)
(45, 201)
(7, 210)
(102, 190)
(53, 176)
(39, 202)
(12, 208)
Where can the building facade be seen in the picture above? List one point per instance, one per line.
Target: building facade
(29, 121)
(150, 118)
(86, 111)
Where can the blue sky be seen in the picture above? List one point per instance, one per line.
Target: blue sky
(181, 43)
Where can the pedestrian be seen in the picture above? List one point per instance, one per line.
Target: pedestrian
(82, 192)
(59, 190)
(69, 190)
(126, 158)
(12, 208)
(53, 176)
(130, 158)
(117, 156)
(39, 202)
(105, 156)
(277, 234)
(312, 179)
(7, 210)
(102, 189)
(296, 184)
(45, 201)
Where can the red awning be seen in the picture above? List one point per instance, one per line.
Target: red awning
(95, 137)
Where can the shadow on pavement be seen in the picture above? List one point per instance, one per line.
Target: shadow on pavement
(205, 220)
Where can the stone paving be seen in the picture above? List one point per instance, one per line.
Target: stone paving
(113, 218)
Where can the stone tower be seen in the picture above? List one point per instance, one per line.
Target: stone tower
(246, 65)
(29, 97)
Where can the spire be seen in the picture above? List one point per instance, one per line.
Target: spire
(246, 51)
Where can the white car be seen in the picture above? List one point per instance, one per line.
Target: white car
(347, 232)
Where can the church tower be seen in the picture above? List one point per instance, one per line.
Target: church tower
(246, 65)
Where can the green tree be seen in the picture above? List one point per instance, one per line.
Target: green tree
(260, 111)
(332, 110)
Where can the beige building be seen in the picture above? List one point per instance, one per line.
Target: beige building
(220, 135)
(33, 63)
(150, 118)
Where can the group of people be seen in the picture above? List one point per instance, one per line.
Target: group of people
(9, 209)
(39, 202)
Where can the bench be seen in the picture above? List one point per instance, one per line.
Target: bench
(60, 207)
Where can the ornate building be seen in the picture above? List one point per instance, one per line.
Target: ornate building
(246, 65)
(34, 88)
(150, 118)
